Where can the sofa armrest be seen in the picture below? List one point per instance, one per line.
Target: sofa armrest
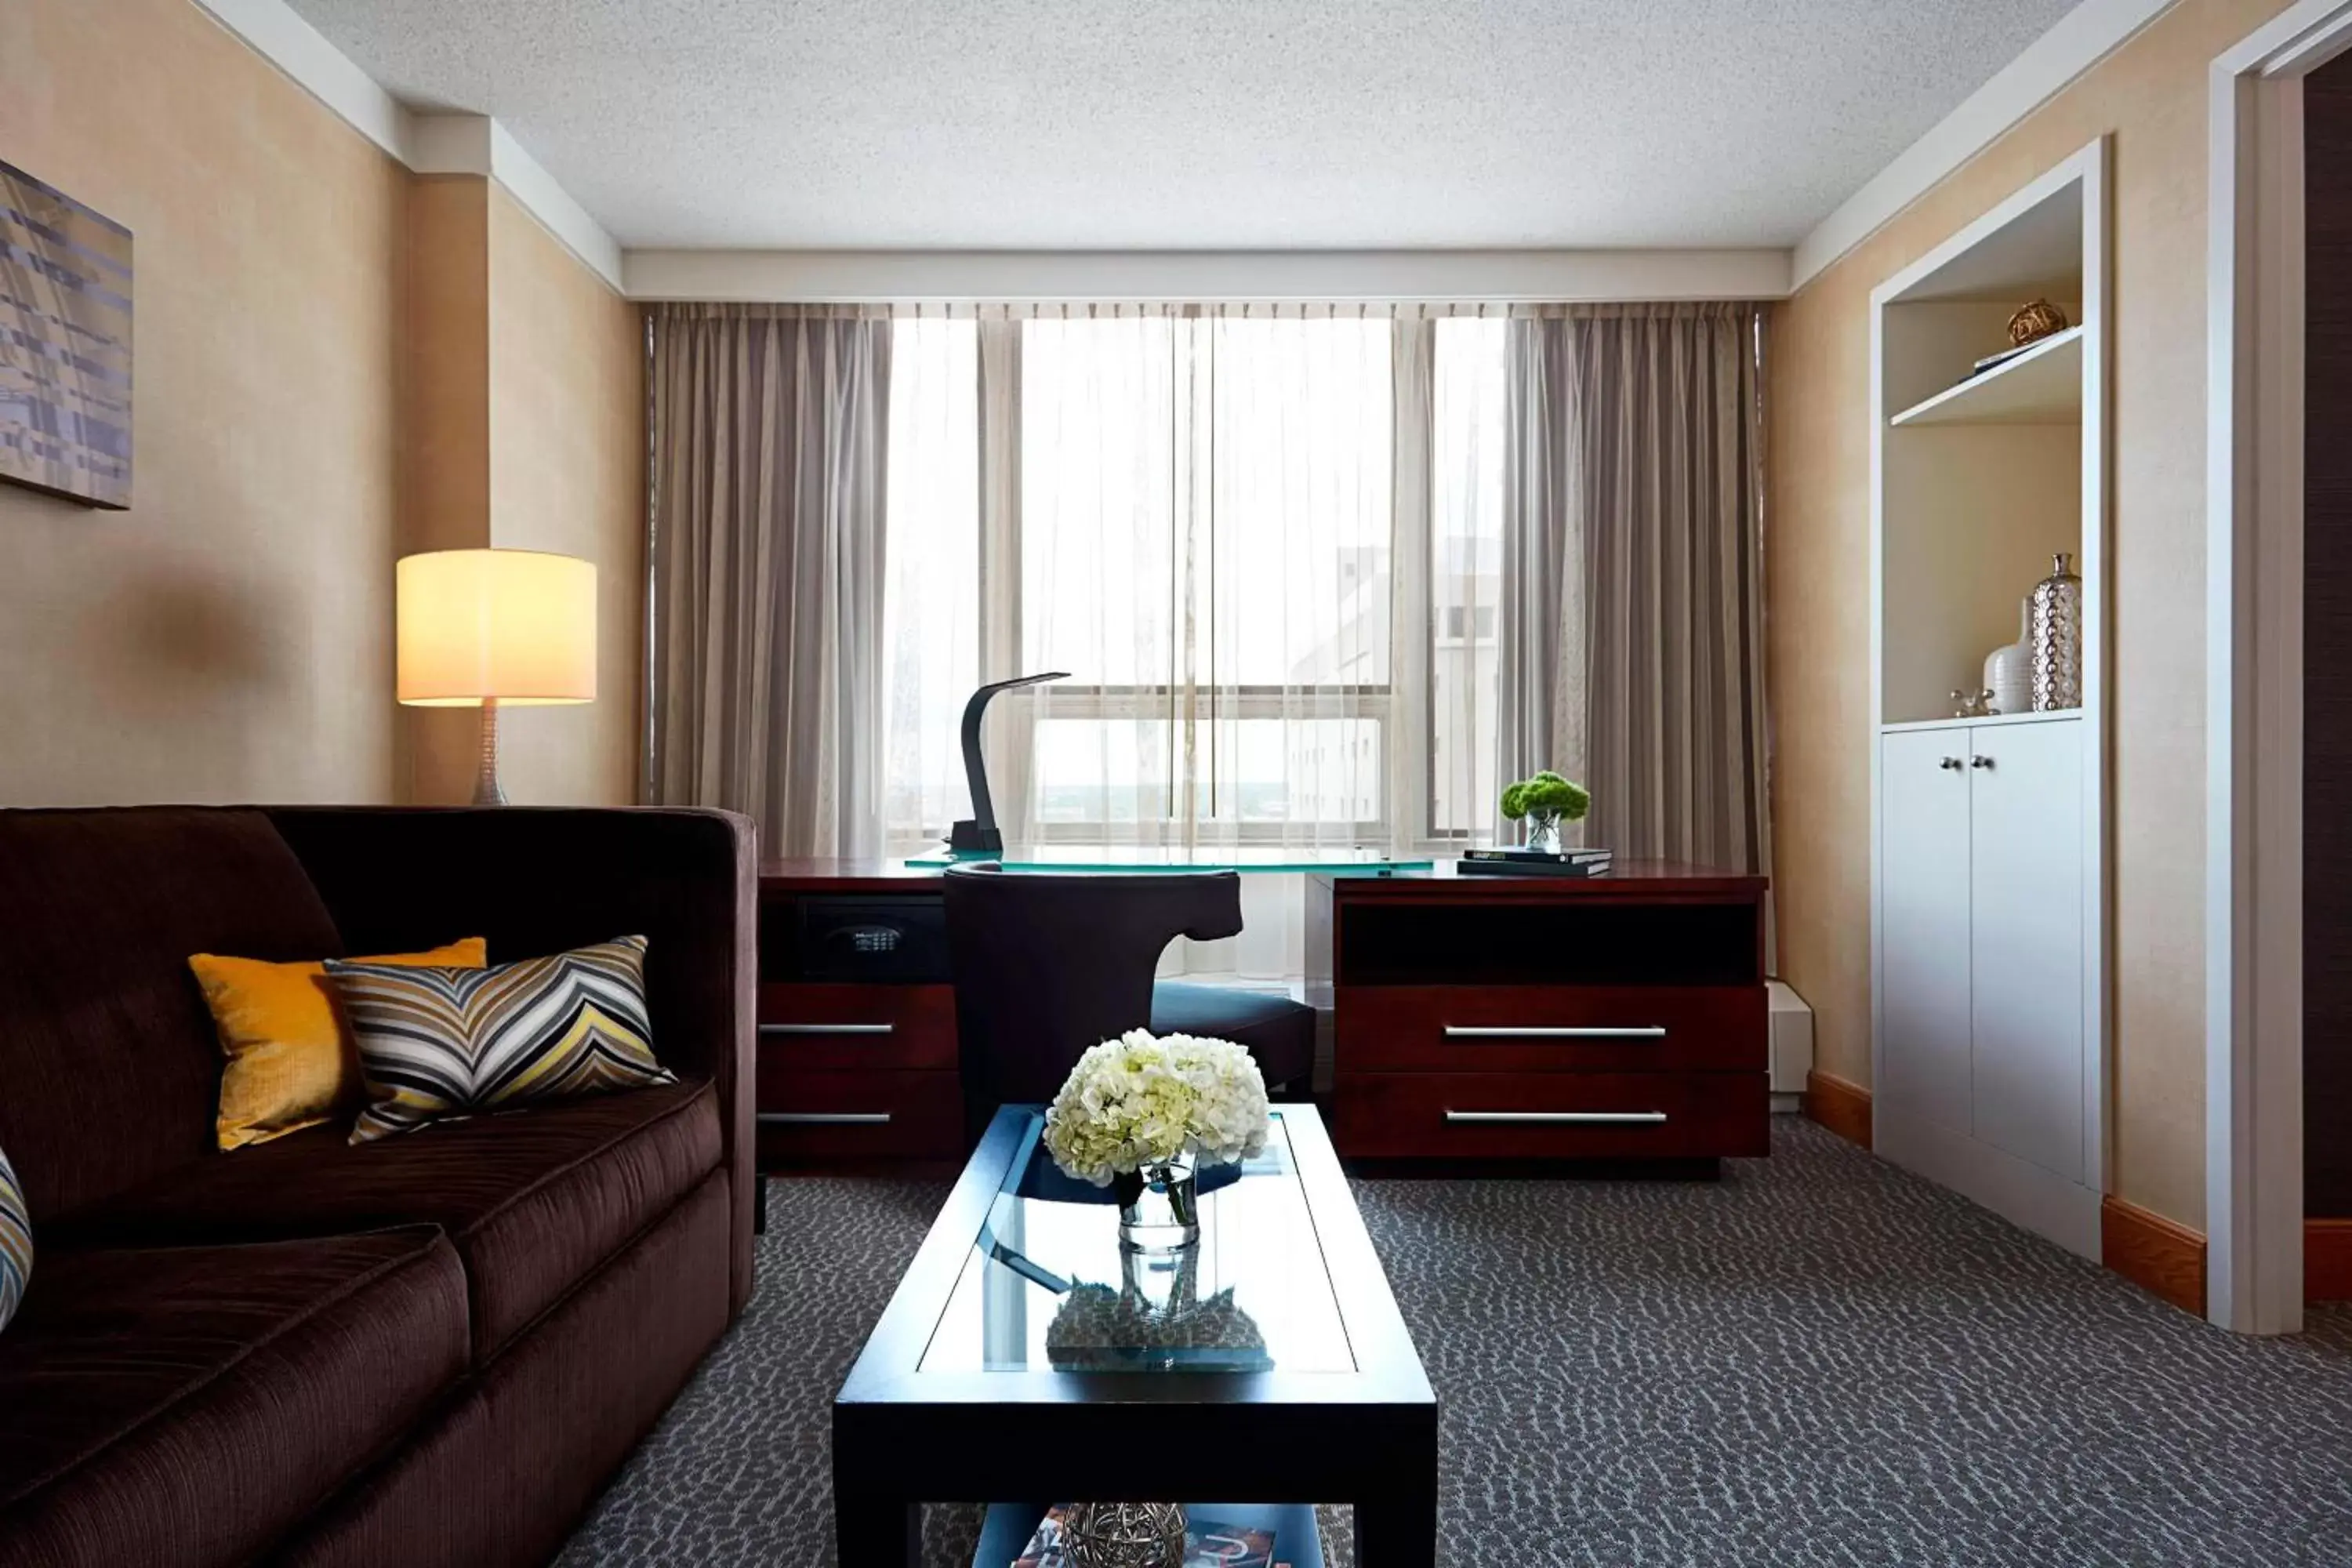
(540, 880)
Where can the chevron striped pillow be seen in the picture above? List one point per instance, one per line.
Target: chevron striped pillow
(15, 1242)
(437, 1042)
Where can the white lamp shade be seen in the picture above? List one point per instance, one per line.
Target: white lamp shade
(515, 625)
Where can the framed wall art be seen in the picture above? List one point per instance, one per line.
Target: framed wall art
(64, 344)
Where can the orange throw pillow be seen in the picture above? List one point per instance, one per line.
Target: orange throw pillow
(291, 1060)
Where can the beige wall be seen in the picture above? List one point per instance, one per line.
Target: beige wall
(336, 362)
(445, 372)
(230, 636)
(525, 387)
(568, 474)
(2150, 96)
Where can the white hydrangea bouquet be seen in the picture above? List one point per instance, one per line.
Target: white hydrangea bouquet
(1141, 1103)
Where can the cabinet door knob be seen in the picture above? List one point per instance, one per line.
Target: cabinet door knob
(1952, 762)
(1980, 762)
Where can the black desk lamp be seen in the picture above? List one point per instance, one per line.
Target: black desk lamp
(980, 832)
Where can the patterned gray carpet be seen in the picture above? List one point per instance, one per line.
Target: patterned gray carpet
(1818, 1361)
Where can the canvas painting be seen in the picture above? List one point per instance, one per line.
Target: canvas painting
(64, 344)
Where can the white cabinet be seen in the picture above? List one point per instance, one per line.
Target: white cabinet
(1985, 1081)
(2025, 942)
(1924, 856)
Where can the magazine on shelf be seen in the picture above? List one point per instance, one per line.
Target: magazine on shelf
(1208, 1543)
(2003, 357)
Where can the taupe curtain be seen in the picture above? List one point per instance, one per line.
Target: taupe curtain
(1632, 619)
(768, 459)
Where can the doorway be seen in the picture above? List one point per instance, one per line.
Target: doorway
(2327, 683)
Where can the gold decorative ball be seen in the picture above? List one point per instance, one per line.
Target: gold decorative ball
(2034, 323)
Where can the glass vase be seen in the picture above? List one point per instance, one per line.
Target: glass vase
(1543, 832)
(1159, 1206)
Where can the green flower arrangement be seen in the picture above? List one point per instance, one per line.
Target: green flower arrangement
(1545, 801)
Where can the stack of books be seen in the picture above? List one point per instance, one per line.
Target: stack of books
(1513, 860)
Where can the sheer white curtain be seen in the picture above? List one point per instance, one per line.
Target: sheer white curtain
(1205, 544)
(1469, 451)
(932, 601)
(1264, 543)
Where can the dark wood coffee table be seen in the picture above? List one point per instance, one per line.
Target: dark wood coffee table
(1014, 1364)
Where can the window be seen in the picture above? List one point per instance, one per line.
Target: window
(930, 600)
(1202, 536)
(1205, 541)
(1467, 450)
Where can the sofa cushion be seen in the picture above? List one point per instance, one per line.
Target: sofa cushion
(435, 1044)
(210, 1398)
(112, 1068)
(15, 1242)
(288, 1057)
(534, 1200)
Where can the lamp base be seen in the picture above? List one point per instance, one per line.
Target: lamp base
(969, 837)
(487, 788)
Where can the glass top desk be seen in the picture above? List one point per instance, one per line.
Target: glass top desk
(1270, 858)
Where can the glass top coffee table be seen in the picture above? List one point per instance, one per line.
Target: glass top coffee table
(1026, 1360)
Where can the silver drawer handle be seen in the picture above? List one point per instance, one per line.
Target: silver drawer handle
(1535, 1031)
(827, 1029)
(1614, 1117)
(825, 1118)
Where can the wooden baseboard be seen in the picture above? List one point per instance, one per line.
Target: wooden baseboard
(1843, 1108)
(2162, 1256)
(2327, 1260)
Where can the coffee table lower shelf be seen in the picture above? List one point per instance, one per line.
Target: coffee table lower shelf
(1298, 1540)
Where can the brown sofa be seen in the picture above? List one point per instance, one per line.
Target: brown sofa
(430, 1350)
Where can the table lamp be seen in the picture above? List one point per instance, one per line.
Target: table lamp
(492, 628)
(979, 834)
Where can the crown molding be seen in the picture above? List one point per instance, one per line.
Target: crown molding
(478, 145)
(426, 143)
(955, 277)
(271, 29)
(2081, 39)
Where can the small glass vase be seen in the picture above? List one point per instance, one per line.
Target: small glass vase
(1543, 832)
(1159, 1206)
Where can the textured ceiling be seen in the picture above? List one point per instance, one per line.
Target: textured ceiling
(1185, 124)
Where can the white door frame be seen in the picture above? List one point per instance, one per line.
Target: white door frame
(2253, 691)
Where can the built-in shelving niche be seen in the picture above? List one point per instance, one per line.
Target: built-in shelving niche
(1990, 898)
(1980, 477)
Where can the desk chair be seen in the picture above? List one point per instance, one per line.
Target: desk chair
(1048, 965)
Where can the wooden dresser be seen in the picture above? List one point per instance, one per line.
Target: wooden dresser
(857, 1038)
(1620, 1017)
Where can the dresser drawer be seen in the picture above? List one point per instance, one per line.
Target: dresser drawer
(1547, 1029)
(1553, 1115)
(816, 1115)
(857, 1027)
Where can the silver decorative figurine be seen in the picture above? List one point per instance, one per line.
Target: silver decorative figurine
(1125, 1534)
(2053, 617)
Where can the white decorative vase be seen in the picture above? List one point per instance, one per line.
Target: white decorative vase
(2008, 671)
